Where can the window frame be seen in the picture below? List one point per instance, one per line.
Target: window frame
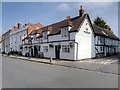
(101, 48)
(65, 48)
(101, 39)
(64, 32)
(45, 48)
(45, 35)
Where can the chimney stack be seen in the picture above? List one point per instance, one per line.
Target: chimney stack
(81, 11)
(15, 26)
(68, 17)
(19, 25)
(109, 29)
(27, 24)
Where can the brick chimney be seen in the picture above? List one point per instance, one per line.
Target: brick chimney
(19, 25)
(81, 11)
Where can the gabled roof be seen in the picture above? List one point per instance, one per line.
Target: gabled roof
(103, 32)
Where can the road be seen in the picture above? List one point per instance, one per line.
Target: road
(25, 74)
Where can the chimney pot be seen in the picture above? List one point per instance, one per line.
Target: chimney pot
(81, 7)
(19, 25)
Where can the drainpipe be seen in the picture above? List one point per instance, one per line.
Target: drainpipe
(77, 51)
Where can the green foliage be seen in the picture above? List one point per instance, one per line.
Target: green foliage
(101, 23)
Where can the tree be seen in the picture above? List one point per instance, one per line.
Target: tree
(101, 23)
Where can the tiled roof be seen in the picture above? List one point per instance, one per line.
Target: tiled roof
(75, 23)
(100, 31)
(55, 28)
(34, 28)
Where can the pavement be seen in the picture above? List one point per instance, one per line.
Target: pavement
(105, 65)
(18, 73)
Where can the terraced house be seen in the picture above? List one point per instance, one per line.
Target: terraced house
(7, 41)
(73, 39)
(18, 33)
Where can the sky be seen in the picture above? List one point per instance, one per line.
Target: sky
(50, 12)
(119, 19)
(60, 0)
(0, 18)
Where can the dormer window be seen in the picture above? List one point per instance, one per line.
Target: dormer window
(45, 35)
(64, 31)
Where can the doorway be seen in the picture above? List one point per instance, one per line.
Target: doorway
(35, 51)
(57, 52)
(114, 50)
(31, 52)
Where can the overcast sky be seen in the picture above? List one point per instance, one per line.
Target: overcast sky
(48, 13)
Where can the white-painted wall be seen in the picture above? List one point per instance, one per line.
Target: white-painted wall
(85, 41)
(16, 38)
(84, 49)
(63, 55)
(60, 38)
(56, 38)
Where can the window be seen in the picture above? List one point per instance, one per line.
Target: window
(65, 48)
(20, 38)
(98, 37)
(45, 48)
(16, 40)
(45, 35)
(12, 41)
(40, 40)
(101, 40)
(34, 38)
(101, 48)
(38, 48)
(64, 32)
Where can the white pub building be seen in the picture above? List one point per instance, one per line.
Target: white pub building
(73, 39)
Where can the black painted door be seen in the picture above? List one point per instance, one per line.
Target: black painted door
(57, 52)
(35, 51)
